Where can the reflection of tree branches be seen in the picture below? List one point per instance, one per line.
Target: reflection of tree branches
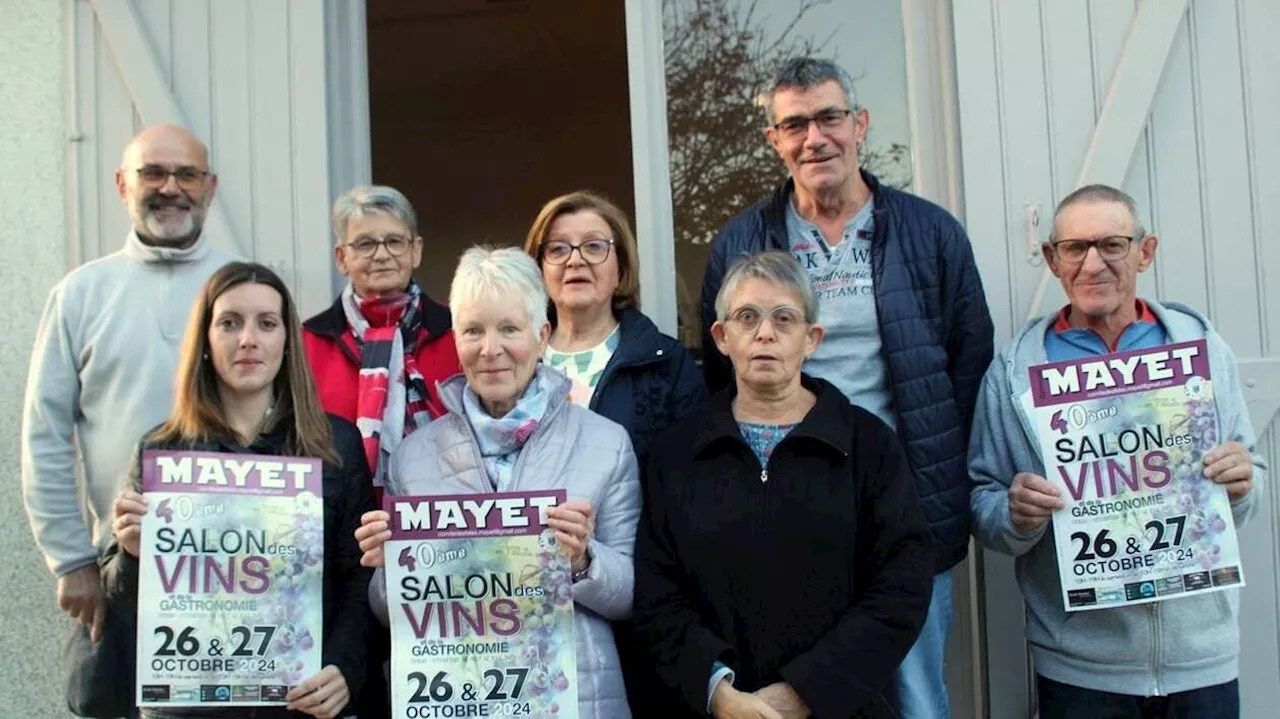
(719, 62)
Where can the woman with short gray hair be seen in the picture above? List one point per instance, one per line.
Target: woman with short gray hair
(379, 350)
(778, 268)
(783, 568)
(510, 427)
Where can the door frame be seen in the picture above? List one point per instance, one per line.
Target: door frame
(933, 115)
(933, 112)
(350, 139)
(650, 160)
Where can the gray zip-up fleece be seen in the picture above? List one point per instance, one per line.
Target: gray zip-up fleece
(1153, 649)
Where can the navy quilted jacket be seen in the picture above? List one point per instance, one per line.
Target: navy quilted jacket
(934, 326)
(650, 383)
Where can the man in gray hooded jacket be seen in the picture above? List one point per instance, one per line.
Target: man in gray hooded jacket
(1178, 657)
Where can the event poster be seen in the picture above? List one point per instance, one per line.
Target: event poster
(1123, 437)
(480, 598)
(230, 578)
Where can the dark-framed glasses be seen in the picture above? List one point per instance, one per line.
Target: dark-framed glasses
(785, 318)
(189, 177)
(368, 246)
(1110, 249)
(797, 126)
(593, 252)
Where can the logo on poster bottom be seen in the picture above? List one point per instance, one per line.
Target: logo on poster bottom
(1196, 580)
(243, 693)
(1082, 597)
(215, 693)
(1226, 576)
(274, 692)
(1140, 590)
(155, 692)
(186, 695)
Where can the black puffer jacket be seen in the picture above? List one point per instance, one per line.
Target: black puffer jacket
(935, 329)
(348, 493)
(650, 383)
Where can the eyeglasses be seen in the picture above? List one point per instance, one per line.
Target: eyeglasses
(188, 177)
(368, 246)
(785, 318)
(794, 128)
(1110, 249)
(593, 252)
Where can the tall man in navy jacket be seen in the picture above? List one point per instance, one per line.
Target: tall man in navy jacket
(908, 331)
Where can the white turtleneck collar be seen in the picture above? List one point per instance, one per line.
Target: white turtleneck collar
(138, 250)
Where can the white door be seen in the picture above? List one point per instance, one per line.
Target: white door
(246, 76)
(1172, 101)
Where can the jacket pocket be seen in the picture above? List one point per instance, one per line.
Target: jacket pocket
(1200, 630)
(1123, 635)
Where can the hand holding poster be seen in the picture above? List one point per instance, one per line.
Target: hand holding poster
(481, 606)
(230, 578)
(1123, 437)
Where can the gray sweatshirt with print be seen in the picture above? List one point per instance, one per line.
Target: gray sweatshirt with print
(1151, 649)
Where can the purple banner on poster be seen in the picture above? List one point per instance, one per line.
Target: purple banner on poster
(462, 516)
(1119, 374)
(223, 473)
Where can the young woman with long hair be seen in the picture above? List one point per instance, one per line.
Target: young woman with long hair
(243, 387)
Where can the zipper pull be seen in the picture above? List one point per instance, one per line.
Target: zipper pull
(764, 476)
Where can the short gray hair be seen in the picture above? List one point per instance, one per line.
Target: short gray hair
(363, 199)
(1097, 193)
(802, 73)
(490, 273)
(777, 267)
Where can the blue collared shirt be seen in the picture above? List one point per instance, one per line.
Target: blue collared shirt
(1063, 342)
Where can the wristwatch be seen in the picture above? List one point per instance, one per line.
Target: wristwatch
(581, 574)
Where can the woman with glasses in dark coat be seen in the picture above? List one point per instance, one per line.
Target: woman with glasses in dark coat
(620, 364)
(783, 564)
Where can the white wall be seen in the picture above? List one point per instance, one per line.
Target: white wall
(1033, 78)
(244, 79)
(33, 241)
(248, 78)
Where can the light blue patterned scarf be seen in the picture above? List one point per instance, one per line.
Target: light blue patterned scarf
(501, 438)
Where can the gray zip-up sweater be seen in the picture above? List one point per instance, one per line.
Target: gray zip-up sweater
(101, 375)
(575, 449)
(1152, 649)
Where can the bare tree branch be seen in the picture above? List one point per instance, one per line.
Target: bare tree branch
(719, 60)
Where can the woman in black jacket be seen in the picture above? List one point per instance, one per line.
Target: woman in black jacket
(621, 366)
(783, 567)
(243, 387)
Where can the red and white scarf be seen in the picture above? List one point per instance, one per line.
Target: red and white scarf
(392, 394)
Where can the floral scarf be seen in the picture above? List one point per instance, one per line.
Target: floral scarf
(501, 438)
(391, 393)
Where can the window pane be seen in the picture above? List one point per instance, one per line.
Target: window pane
(481, 112)
(720, 58)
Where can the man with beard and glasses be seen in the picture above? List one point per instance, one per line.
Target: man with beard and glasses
(106, 349)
